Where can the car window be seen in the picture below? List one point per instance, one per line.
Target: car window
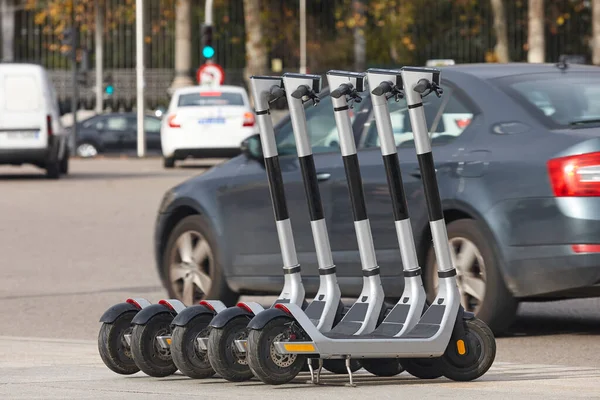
(443, 127)
(321, 125)
(206, 99)
(116, 123)
(151, 125)
(94, 122)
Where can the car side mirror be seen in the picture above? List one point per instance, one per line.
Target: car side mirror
(252, 148)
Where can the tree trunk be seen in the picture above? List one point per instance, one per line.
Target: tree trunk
(501, 47)
(596, 32)
(256, 50)
(360, 51)
(7, 13)
(535, 40)
(183, 45)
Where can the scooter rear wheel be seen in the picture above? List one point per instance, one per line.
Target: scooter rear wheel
(114, 349)
(423, 368)
(152, 359)
(187, 356)
(223, 354)
(479, 355)
(265, 362)
(382, 366)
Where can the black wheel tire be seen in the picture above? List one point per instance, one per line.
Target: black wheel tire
(479, 338)
(144, 346)
(113, 347)
(168, 162)
(423, 368)
(64, 163)
(53, 169)
(222, 354)
(339, 366)
(499, 307)
(219, 289)
(187, 357)
(382, 366)
(260, 361)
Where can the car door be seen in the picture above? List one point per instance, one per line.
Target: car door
(113, 130)
(248, 208)
(151, 133)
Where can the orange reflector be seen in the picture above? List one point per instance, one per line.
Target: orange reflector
(299, 348)
(169, 342)
(460, 346)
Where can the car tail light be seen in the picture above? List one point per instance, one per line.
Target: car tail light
(49, 125)
(586, 248)
(462, 123)
(248, 119)
(171, 121)
(575, 176)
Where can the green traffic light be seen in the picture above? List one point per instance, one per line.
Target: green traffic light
(109, 89)
(208, 52)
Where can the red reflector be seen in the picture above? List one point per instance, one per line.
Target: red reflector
(207, 305)
(586, 248)
(462, 123)
(166, 304)
(575, 176)
(49, 125)
(210, 94)
(248, 119)
(283, 308)
(170, 120)
(135, 303)
(245, 307)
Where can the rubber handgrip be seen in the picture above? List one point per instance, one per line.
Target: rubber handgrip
(421, 86)
(384, 87)
(342, 90)
(277, 92)
(301, 92)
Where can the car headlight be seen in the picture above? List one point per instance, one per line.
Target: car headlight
(166, 201)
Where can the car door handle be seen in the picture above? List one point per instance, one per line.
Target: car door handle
(323, 176)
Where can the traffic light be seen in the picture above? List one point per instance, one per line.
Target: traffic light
(109, 88)
(68, 41)
(208, 51)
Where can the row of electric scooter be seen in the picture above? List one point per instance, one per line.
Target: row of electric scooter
(274, 344)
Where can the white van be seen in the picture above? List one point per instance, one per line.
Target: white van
(30, 127)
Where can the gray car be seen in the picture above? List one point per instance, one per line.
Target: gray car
(517, 152)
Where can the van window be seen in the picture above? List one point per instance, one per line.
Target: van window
(21, 93)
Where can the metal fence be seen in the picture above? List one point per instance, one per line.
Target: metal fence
(457, 29)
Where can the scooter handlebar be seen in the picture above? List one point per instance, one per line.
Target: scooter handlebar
(302, 91)
(383, 88)
(422, 86)
(342, 90)
(276, 92)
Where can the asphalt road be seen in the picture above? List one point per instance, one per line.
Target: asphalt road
(71, 248)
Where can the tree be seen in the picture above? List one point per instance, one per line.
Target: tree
(535, 38)
(256, 49)
(501, 48)
(596, 32)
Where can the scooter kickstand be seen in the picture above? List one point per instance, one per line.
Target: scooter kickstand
(319, 371)
(312, 373)
(351, 384)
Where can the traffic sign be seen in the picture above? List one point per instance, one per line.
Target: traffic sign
(210, 73)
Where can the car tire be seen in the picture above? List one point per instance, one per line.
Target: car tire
(177, 272)
(87, 150)
(169, 162)
(498, 307)
(64, 163)
(53, 168)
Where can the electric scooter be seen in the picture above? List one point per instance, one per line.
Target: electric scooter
(465, 345)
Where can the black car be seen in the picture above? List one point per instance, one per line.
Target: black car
(517, 152)
(115, 133)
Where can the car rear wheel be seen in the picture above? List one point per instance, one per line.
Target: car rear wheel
(191, 268)
(480, 282)
(86, 150)
(169, 162)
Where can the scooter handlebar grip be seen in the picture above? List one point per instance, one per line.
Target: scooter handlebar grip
(342, 90)
(277, 92)
(383, 88)
(301, 92)
(421, 86)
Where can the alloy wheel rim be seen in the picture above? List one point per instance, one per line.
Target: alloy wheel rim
(191, 267)
(470, 273)
(86, 150)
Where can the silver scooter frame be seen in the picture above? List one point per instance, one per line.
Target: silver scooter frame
(431, 335)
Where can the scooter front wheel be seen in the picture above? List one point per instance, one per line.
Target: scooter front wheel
(223, 354)
(423, 368)
(147, 353)
(265, 362)
(112, 346)
(473, 357)
(187, 355)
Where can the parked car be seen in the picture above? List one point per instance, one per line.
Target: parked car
(30, 127)
(204, 121)
(517, 152)
(115, 133)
